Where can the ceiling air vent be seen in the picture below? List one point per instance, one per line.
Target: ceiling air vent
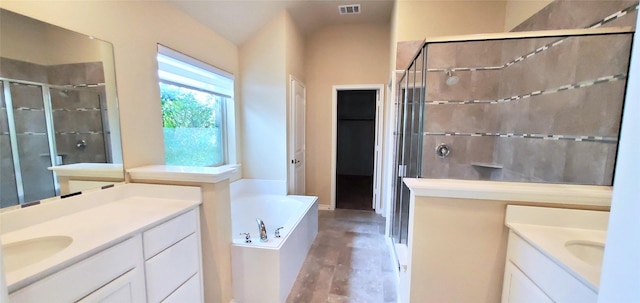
(349, 9)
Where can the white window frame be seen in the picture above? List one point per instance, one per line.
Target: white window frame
(228, 123)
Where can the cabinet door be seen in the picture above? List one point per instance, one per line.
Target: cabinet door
(190, 291)
(128, 288)
(519, 289)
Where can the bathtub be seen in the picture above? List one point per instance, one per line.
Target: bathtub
(266, 271)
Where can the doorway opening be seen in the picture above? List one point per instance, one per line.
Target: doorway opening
(355, 148)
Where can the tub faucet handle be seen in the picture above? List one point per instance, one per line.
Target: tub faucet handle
(278, 231)
(247, 237)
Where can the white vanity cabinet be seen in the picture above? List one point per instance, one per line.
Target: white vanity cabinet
(519, 288)
(172, 260)
(161, 264)
(115, 274)
(531, 276)
(553, 254)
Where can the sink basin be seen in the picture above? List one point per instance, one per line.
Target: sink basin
(23, 253)
(588, 251)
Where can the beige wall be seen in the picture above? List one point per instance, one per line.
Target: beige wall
(337, 55)
(294, 49)
(417, 20)
(266, 61)
(263, 65)
(135, 28)
(517, 11)
(295, 68)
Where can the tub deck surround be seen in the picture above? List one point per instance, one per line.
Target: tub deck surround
(457, 240)
(548, 230)
(266, 271)
(274, 210)
(215, 218)
(94, 220)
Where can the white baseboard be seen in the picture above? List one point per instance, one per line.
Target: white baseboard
(324, 207)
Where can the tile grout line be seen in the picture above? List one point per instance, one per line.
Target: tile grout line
(581, 84)
(600, 139)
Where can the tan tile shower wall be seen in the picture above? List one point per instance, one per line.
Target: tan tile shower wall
(570, 14)
(588, 111)
(463, 118)
(592, 110)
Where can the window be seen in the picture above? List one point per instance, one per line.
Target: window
(194, 98)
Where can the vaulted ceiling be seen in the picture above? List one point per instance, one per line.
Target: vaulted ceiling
(238, 20)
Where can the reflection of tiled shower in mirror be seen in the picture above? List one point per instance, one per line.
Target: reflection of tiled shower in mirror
(79, 112)
(51, 115)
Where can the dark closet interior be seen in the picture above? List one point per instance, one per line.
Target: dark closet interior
(355, 149)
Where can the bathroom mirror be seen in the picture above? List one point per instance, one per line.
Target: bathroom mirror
(59, 126)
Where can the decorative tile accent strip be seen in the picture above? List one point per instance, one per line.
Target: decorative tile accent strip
(614, 16)
(30, 109)
(79, 109)
(57, 133)
(32, 134)
(581, 84)
(512, 62)
(79, 133)
(600, 139)
(606, 20)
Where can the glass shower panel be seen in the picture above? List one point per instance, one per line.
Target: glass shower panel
(8, 185)
(409, 151)
(401, 99)
(80, 131)
(33, 144)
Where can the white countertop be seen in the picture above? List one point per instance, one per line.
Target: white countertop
(93, 170)
(182, 173)
(549, 229)
(511, 191)
(98, 227)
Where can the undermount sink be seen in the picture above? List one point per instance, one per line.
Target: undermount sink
(23, 253)
(589, 252)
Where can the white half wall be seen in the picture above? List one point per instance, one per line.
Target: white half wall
(620, 279)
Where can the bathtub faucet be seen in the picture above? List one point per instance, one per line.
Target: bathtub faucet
(262, 229)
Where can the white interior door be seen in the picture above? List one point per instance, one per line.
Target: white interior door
(297, 138)
(377, 167)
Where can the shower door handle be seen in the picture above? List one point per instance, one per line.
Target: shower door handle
(402, 170)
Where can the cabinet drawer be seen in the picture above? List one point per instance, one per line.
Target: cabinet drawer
(166, 234)
(80, 279)
(171, 268)
(188, 292)
(549, 276)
